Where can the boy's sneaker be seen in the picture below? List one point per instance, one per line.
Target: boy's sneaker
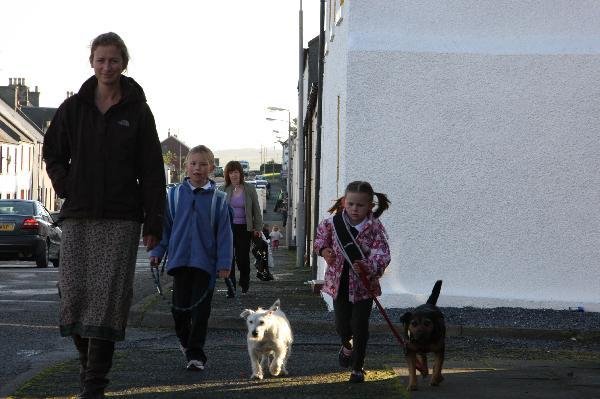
(268, 276)
(344, 357)
(357, 376)
(195, 365)
(260, 276)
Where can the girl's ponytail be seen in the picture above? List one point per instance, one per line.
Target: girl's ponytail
(337, 206)
(383, 203)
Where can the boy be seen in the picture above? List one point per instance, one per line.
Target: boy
(197, 235)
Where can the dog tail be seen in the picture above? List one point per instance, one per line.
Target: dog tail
(435, 293)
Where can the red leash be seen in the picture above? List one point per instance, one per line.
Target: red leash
(363, 276)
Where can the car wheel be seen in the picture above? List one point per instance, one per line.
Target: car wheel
(42, 259)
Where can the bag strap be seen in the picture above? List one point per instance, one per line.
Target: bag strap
(346, 241)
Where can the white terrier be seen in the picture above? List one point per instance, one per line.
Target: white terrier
(269, 340)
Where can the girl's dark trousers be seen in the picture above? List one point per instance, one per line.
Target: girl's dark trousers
(241, 256)
(352, 321)
(95, 358)
(189, 285)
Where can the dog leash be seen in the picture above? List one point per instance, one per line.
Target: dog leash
(348, 243)
(156, 275)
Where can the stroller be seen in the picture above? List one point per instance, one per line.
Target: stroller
(260, 249)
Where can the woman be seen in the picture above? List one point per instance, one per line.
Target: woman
(104, 158)
(247, 222)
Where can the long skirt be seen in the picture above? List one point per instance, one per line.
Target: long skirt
(97, 266)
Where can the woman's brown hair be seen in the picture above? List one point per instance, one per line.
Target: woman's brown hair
(230, 167)
(108, 39)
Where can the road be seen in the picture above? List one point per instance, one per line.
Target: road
(29, 318)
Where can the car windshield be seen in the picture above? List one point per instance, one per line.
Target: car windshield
(16, 208)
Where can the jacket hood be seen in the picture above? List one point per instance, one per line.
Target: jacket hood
(131, 91)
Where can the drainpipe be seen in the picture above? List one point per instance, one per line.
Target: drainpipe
(300, 224)
(318, 138)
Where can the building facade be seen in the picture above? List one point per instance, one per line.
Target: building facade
(22, 170)
(479, 120)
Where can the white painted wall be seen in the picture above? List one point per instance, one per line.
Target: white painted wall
(480, 120)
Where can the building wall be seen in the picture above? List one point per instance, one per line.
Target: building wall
(479, 119)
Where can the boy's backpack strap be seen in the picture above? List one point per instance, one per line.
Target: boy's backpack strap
(213, 205)
(346, 241)
(173, 200)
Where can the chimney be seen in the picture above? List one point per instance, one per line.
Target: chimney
(10, 81)
(169, 133)
(36, 89)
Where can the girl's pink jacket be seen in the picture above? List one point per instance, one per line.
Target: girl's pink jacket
(373, 242)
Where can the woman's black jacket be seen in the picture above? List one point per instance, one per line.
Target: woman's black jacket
(107, 165)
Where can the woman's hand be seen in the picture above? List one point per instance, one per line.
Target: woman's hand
(223, 273)
(150, 241)
(154, 261)
(256, 233)
(328, 255)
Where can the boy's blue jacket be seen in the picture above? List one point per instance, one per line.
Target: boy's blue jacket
(190, 237)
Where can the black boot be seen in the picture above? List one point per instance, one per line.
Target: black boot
(267, 274)
(100, 356)
(82, 348)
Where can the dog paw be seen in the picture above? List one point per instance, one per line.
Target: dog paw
(275, 371)
(256, 377)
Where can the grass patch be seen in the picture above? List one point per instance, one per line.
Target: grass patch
(62, 377)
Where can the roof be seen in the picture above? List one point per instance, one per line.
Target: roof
(17, 127)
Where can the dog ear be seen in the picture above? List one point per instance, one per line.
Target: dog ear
(246, 313)
(405, 318)
(275, 306)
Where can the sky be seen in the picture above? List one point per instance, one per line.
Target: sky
(209, 68)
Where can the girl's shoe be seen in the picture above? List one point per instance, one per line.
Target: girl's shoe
(344, 357)
(357, 376)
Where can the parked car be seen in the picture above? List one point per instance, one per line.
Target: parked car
(218, 171)
(28, 232)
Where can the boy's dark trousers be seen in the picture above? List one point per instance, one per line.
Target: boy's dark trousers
(352, 321)
(241, 255)
(189, 285)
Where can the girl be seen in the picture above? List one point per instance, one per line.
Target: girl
(276, 236)
(352, 301)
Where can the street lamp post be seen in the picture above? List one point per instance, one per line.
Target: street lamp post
(288, 222)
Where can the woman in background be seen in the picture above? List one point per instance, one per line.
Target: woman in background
(247, 222)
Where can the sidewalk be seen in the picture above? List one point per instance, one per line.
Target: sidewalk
(481, 362)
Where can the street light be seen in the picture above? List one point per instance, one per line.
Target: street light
(288, 222)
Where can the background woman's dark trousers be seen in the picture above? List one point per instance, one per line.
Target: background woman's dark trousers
(241, 256)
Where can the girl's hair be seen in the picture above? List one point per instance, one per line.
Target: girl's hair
(275, 226)
(230, 167)
(200, 149)
(358, 186)
(108, 39)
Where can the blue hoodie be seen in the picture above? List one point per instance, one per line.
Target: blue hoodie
(190, 237)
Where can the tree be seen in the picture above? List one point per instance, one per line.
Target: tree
(169, 158)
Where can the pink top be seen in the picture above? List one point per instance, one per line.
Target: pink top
(373, 242)
(238, 204)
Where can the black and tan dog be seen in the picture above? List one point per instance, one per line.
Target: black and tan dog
(425, 332)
